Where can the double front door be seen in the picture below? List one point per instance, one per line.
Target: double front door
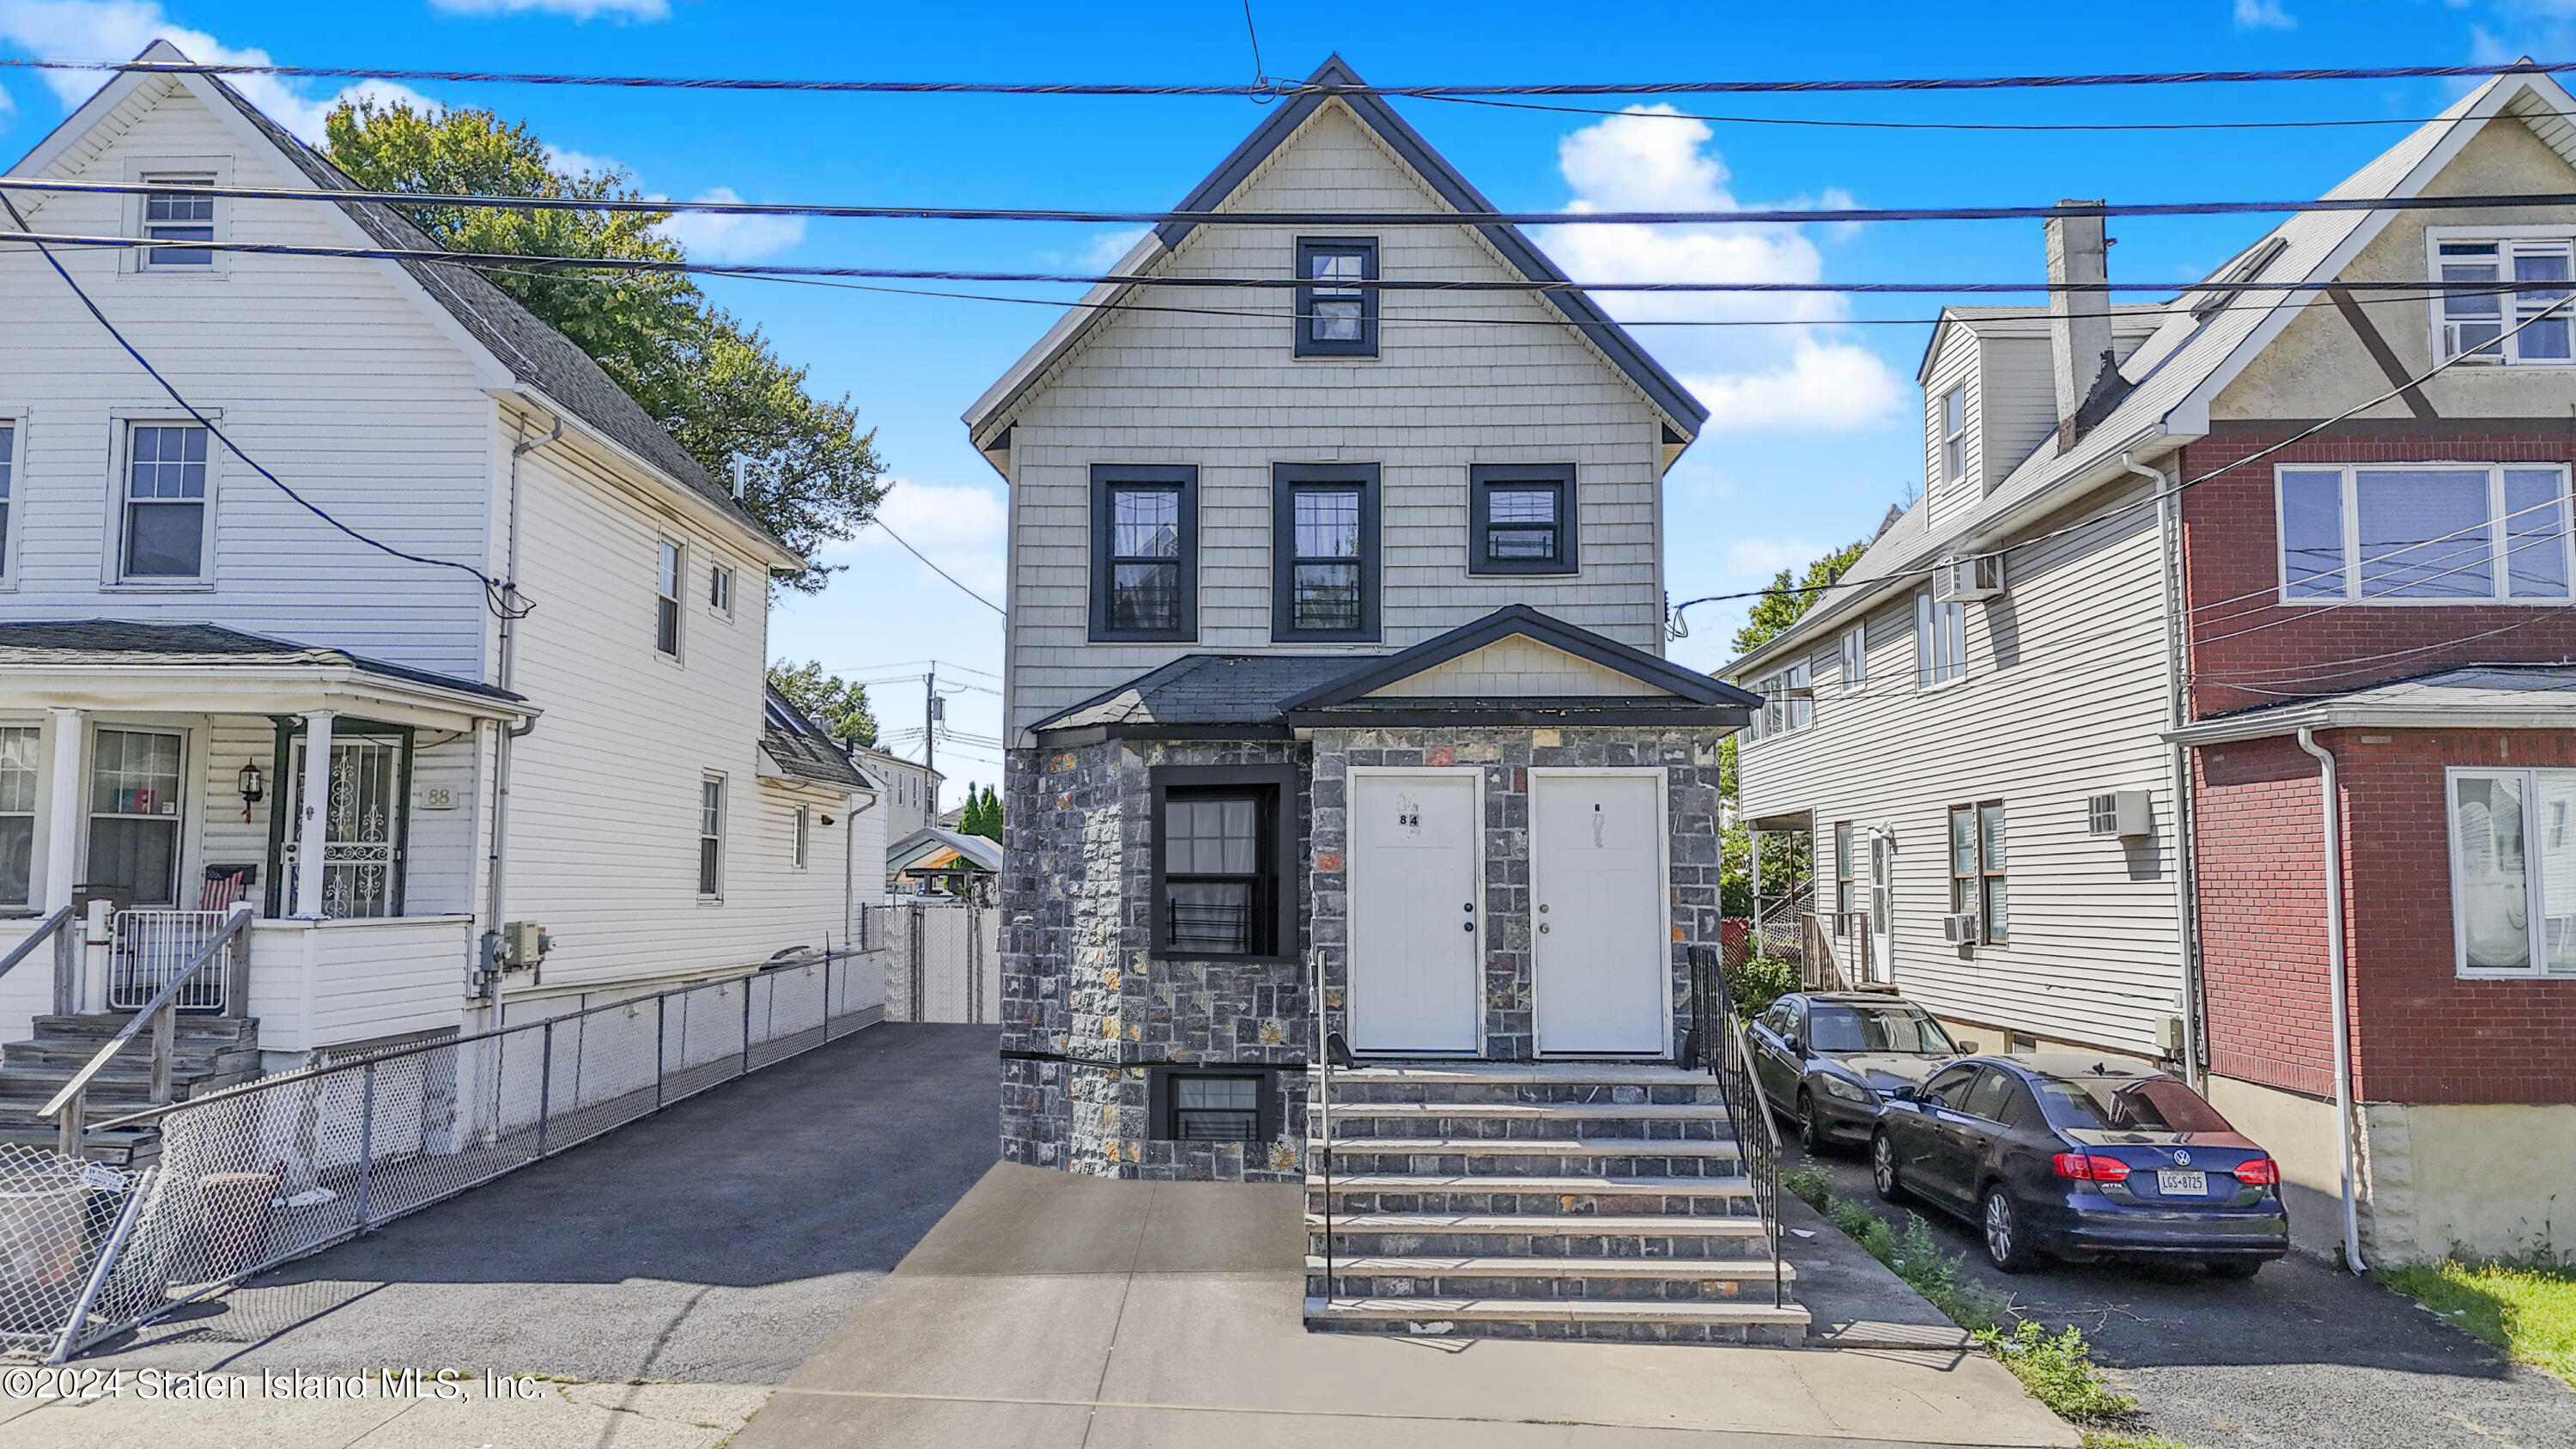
(1599, 924)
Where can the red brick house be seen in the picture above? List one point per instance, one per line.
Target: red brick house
(2187, 575)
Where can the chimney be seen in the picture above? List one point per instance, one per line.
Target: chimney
(2079, 323)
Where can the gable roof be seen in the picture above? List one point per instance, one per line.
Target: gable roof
(803, 748)
(1682, 413)
(531, 351)
(1356, 691)
(979, 852)
(2190, 358)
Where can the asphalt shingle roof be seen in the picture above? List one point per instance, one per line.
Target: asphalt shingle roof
(1207, 689)
(74, 642)
(803, 748)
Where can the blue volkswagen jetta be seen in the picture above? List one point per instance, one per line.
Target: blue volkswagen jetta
(2076, 1157)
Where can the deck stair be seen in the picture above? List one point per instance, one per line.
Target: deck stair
(208, 1053)
(1536, 1200)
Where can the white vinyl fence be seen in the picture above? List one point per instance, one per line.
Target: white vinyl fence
(943, 959)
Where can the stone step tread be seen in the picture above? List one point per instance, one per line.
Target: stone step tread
(1535, 1146)
(1570, 1111)
(1537, 1225)
(1442, 1267)
(1578, 1310)
(1584, 1186)
(1592, 1074)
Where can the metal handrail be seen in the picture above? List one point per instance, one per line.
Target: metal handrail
(1322, 1059)
(241, 918)
(44, 928)
(1729, 1058)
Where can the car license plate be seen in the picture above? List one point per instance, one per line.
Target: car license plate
(2170, 1183)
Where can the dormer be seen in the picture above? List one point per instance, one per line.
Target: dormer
(1990, 395)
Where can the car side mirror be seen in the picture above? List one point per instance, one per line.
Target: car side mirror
(1966, 1047)
(1796, 1047)
(1906, 1092)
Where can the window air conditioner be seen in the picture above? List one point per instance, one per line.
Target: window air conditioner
(1959, 928)
(2118, 812)
(2473, 344)
(1980, 576)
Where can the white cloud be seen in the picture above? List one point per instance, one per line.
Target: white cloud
(1790, 378)
(576, 163)
(576, 9)
(2262, 15)
(959, 526)
(715, 237)
(1767, 556)
(121, 29)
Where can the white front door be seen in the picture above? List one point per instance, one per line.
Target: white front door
(1882, 907)
(1415, 877)
(1601, 920)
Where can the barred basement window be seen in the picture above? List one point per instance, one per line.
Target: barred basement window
(1214, 1104)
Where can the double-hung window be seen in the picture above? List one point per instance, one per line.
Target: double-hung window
(1336, 317)
(1846, 879)
(711, 821)
(165, 502)
(1856, 657)
(1520, 519)
(804, 833)
(2425, 533)
(1954, 435)
(1323, 531)
(18, 766)
(720, 590)
(1144, 552)
(2524, 318)
(1940, 641)
(672, 567)
(1788, 701)
(2513, 871)
(1977, 868)
(1224, 854)
(178, 217)
(8, 461)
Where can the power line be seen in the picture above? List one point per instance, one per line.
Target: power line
(2010, 126)
(936, 569)
(1751, 216)
(1265, 283)
(1276, 90)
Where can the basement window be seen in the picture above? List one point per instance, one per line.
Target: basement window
(1213, 1104)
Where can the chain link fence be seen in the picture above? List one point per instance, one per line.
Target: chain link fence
(943, 959)
(274, 1169)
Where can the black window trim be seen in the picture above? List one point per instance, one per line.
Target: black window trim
(1285, 480)
(1164, 1125)
(1307, 343)
(1105, 477)
(1484, 478)
(1286, 862)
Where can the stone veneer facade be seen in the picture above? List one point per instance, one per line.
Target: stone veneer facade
(1087, 1008)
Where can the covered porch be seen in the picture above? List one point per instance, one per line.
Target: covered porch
(154, 778)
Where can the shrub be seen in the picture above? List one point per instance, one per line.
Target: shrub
(1756, 983)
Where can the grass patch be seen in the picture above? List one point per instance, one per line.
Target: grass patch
(2057, 1368)
(2527, 1310)
(2104, 1439)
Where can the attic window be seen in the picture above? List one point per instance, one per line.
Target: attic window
(1954, 435)
(2522, 320)
(1335, 316)
(178, 216)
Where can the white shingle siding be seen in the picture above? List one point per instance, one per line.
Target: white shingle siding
(1228, 394)
(1518, 667)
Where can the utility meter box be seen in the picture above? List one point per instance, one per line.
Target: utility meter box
(524, 945)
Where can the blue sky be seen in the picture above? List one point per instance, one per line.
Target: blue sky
(1814, 428)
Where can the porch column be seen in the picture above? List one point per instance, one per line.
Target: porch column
(311, 823)
(62, 826)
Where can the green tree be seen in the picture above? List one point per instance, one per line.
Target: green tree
(1787, 859)
(827, 699)
(983, 813)
(713, 383)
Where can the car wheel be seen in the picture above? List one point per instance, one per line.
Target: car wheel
(2234, 1269)
(1882, 1167)
(2006, 1239)
(1811, 1135)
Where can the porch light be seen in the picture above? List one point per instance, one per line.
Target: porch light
(253, 786)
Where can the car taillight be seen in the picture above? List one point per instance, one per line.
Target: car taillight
(2087, 1167)
(2260, 1172)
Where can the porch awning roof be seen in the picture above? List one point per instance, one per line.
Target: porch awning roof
(2479, 696)
(206, 668)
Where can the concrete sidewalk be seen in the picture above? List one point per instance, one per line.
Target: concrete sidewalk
(550, 1416)
(1052, 1310)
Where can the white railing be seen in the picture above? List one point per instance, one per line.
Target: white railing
(148, 948)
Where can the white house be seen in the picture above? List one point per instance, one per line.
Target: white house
(189, 652)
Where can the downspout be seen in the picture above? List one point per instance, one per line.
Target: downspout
(2335, 994)
(501, 746)
(850, 870)
(2178, 770)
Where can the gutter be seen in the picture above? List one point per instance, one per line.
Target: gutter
(2271, 723)
(688, 497)
(497, 874)
(2178, 771)
(2336, 993)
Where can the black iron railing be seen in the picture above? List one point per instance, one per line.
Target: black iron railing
(1717, 1041)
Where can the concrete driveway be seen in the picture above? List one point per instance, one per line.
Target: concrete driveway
(2302, 1354)
(718, 1241)
(1050, 1311)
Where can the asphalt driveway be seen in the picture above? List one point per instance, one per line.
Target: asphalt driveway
(2302, 1354)
(719, 1241)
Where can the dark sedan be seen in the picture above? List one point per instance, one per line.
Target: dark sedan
(1830, 1059)
(2074, 1157)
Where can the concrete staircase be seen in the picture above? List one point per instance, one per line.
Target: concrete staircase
(208, 1053)
(1536, 1200)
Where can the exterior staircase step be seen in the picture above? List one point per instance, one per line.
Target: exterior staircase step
(1534, 1146)
(1607, 1074)
(1406, 1182)
(1626, 1321)
(1582, 1225)
(1540, 1111)
(99, 1026)
(1381, 1265)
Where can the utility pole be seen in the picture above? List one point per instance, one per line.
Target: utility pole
(931, 717)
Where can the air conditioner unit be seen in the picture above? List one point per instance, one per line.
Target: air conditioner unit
(2473, 344)
(2119, 812)
(1959, 928)
(1980, 576)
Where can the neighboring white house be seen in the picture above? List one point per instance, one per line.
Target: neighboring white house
(911, 789)
(175, 628)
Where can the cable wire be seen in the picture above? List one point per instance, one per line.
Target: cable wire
(2013, 126)
(498, 596)
(936, 569)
